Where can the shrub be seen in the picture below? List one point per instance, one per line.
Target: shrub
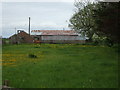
(36, 47)
(95, 43)
(117, 48)
(32, 56)
(108, 42)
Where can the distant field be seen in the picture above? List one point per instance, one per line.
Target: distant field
(60, 66)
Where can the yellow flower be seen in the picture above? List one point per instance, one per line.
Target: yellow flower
(6, 64)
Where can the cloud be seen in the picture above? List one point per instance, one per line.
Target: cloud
(0, 19)
(49, 26)
(37, 0)
(44, 15)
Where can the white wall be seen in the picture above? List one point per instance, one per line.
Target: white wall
(62, 37)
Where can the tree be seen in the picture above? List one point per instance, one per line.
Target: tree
(108, 19)
(102, 19)
(82, 20)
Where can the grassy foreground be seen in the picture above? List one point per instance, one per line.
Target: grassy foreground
(60, 66)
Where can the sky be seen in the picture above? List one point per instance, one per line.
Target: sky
(44, 16)
(0, 19)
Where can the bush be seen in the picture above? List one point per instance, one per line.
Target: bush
(108, 42)
(95, 43)
(32, 56)
(102, 40)
(117, 48)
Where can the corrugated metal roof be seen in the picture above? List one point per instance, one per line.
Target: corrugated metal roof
(53, 32)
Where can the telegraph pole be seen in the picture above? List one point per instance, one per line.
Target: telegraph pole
(29, 25)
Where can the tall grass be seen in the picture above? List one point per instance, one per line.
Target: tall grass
(60, 66)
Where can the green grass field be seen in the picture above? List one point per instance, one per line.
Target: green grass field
(60, 66)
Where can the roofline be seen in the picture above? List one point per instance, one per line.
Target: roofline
(53, 30)
(50, 30)
(54, 35)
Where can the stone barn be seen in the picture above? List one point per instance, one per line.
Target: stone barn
(21, 37)
(56, 36)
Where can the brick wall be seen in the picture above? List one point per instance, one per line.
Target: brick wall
(21, 37)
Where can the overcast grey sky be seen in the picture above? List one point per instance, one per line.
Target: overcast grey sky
(44, 16)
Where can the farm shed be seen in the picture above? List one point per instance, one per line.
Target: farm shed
(21, 37)
(57, 36)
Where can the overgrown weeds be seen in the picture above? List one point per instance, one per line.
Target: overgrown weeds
(32, 56)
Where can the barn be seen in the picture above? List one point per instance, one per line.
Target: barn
(47, 36)
(56, 36)
(21, 37)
